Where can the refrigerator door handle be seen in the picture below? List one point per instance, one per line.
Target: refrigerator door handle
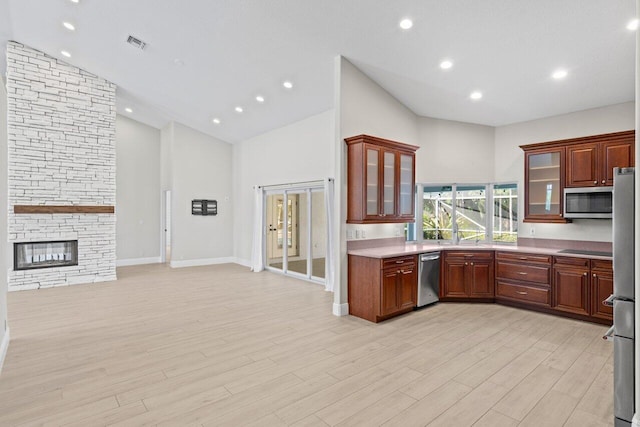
(609, 301)
(608, 336)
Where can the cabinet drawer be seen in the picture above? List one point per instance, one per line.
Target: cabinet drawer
(398, 261)
(516, 256)
(601, 264)
(466, 254)
(522, 293)
(571, 261)
(529, 273)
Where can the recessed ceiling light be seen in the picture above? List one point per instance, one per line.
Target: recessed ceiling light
(65, 53)
(216, 121)
(287, 84)
(128, 110)
(476, 95)
(69, 26)
(239, 109)
(75, 1)
(406, 23)
(559, 74)
(260, 98)
(446, 64)
(633, 25)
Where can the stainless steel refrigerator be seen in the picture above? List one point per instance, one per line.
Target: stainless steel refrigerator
(623, 298)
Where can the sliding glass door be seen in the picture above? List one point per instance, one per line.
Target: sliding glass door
(296, 229)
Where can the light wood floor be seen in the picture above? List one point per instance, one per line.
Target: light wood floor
(222, 346)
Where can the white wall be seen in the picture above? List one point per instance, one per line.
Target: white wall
(4, 245)
(301, 151)
(138, 194)
(509, 161)
(201, 168)
(454, 152)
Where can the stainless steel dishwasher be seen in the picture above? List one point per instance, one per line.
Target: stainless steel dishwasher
(428, 278)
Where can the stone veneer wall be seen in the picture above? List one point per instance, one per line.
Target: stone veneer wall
(61, 126)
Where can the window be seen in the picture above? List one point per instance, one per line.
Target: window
(478, 213)
(505, 213)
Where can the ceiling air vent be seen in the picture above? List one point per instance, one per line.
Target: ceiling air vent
(136, 42)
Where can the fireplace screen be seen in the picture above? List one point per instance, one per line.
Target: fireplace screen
(28, 255)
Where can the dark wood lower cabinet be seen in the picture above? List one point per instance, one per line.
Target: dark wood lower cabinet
(467, 275)
(601, 288)
(382, 288)
(571, 290)
(568, 286)
(579, 287)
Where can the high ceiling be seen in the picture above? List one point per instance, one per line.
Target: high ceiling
(205, 57)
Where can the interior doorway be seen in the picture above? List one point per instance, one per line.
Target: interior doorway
(166, 237)
(295, 236)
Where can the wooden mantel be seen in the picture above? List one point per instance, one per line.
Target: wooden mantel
(63, 209)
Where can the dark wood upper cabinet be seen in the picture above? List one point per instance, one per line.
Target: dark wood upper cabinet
(544, 184)
(590, 164)
(380, 180)
(550, 167)
(617, 153)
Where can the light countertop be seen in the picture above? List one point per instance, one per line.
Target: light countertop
(414, 248)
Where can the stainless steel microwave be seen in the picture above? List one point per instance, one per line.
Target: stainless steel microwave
(588, 202)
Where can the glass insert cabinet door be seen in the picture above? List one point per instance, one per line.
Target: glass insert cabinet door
(381, 183)
(544, 185)
(406, 185)
(389, 195)
(373, 191)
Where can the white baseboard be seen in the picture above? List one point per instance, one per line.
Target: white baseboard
(199, 262)
(243, 262)
(4, 346)
(138, 261)
(340, 309)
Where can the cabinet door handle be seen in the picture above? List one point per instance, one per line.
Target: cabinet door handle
(521, 293)
(466, 263)
(522, 273)
(594, 275)
(584, 274)
(471, 263)
(595, 182)
(603, 181)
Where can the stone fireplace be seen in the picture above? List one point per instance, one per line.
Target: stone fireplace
(61, 169)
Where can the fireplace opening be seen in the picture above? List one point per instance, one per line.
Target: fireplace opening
(30, 255)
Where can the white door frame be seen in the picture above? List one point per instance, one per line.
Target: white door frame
(303, 188)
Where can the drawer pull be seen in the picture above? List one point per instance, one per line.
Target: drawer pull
(521, 293)
(399, 262)
(523, 273)
(523, 258)
(407, 272)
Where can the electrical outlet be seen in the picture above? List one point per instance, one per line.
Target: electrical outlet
(357, 234)
(349, 234)
(363, 234)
